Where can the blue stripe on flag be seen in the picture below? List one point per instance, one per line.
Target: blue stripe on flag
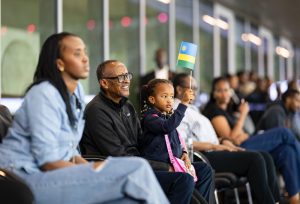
(188, 49)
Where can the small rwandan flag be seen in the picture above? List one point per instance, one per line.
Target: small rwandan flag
(187, 55)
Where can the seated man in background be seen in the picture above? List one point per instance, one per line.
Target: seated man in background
(283, 114)
(223, 155)
(112, 128)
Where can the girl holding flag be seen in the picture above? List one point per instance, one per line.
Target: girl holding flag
(160, 141)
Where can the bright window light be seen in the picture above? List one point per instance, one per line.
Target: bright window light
(222, 24)
(215, 22)
(283, 52)
(251, 38)
(164, 1)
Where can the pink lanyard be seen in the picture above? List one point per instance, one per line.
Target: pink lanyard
(171, 156)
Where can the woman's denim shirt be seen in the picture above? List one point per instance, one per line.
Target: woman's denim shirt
(41, 130)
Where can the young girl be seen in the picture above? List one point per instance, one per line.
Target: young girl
(158, 120)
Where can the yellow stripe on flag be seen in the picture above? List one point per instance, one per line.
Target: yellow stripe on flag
(188, 58)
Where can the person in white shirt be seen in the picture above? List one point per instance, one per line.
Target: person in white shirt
(223, 155)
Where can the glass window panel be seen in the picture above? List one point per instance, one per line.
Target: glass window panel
(21, 37)
(276, 61)
(206, 47)
(184, 25)
(285, 69)
(224, 48)
(296, 70)
(254, 51)
(157, 26)
(239, 44)
(84, 18)
(265, 55)
(124, 38)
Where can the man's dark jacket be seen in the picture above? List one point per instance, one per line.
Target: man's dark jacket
(111, 129)
(275, 116)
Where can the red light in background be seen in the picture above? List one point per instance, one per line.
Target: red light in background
(31, 28)
(91, 24)
(3, 30)
(126, 21)
(162, 17)
(146, 20)
(111, 24)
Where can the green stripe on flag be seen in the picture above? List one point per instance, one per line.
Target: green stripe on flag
(185, 64)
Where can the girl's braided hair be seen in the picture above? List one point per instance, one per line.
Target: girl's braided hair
(148, 90)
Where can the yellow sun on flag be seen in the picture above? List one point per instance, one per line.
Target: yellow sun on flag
(183, 48)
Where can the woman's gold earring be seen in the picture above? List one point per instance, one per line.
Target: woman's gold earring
(61, 69)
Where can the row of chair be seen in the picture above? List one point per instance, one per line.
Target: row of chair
(227, 181)
(9, 183)
(12, 183)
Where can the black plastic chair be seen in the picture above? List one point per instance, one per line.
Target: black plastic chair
(233, 182)
(13, 190)
(227, 181)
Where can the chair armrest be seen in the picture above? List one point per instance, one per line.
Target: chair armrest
(13, 189)
(158, 166)
(197, 198)
(222, 183)
(228, 175)
(201, 157)
(94, 157)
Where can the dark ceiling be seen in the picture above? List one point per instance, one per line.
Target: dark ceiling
(280, 16)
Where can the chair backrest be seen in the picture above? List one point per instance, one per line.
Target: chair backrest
(13, 190)
(5, 121)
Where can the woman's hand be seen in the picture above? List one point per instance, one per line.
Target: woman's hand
(241, 138)
(78, 160)
(228, 143)
(62, 164)
(186, 160)
(224, 148)
(49, 166)
(98, 165)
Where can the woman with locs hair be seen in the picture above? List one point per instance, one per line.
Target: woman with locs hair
(279, 142)
(41, 145)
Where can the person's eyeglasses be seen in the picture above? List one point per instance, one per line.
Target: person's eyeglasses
(121, 78)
